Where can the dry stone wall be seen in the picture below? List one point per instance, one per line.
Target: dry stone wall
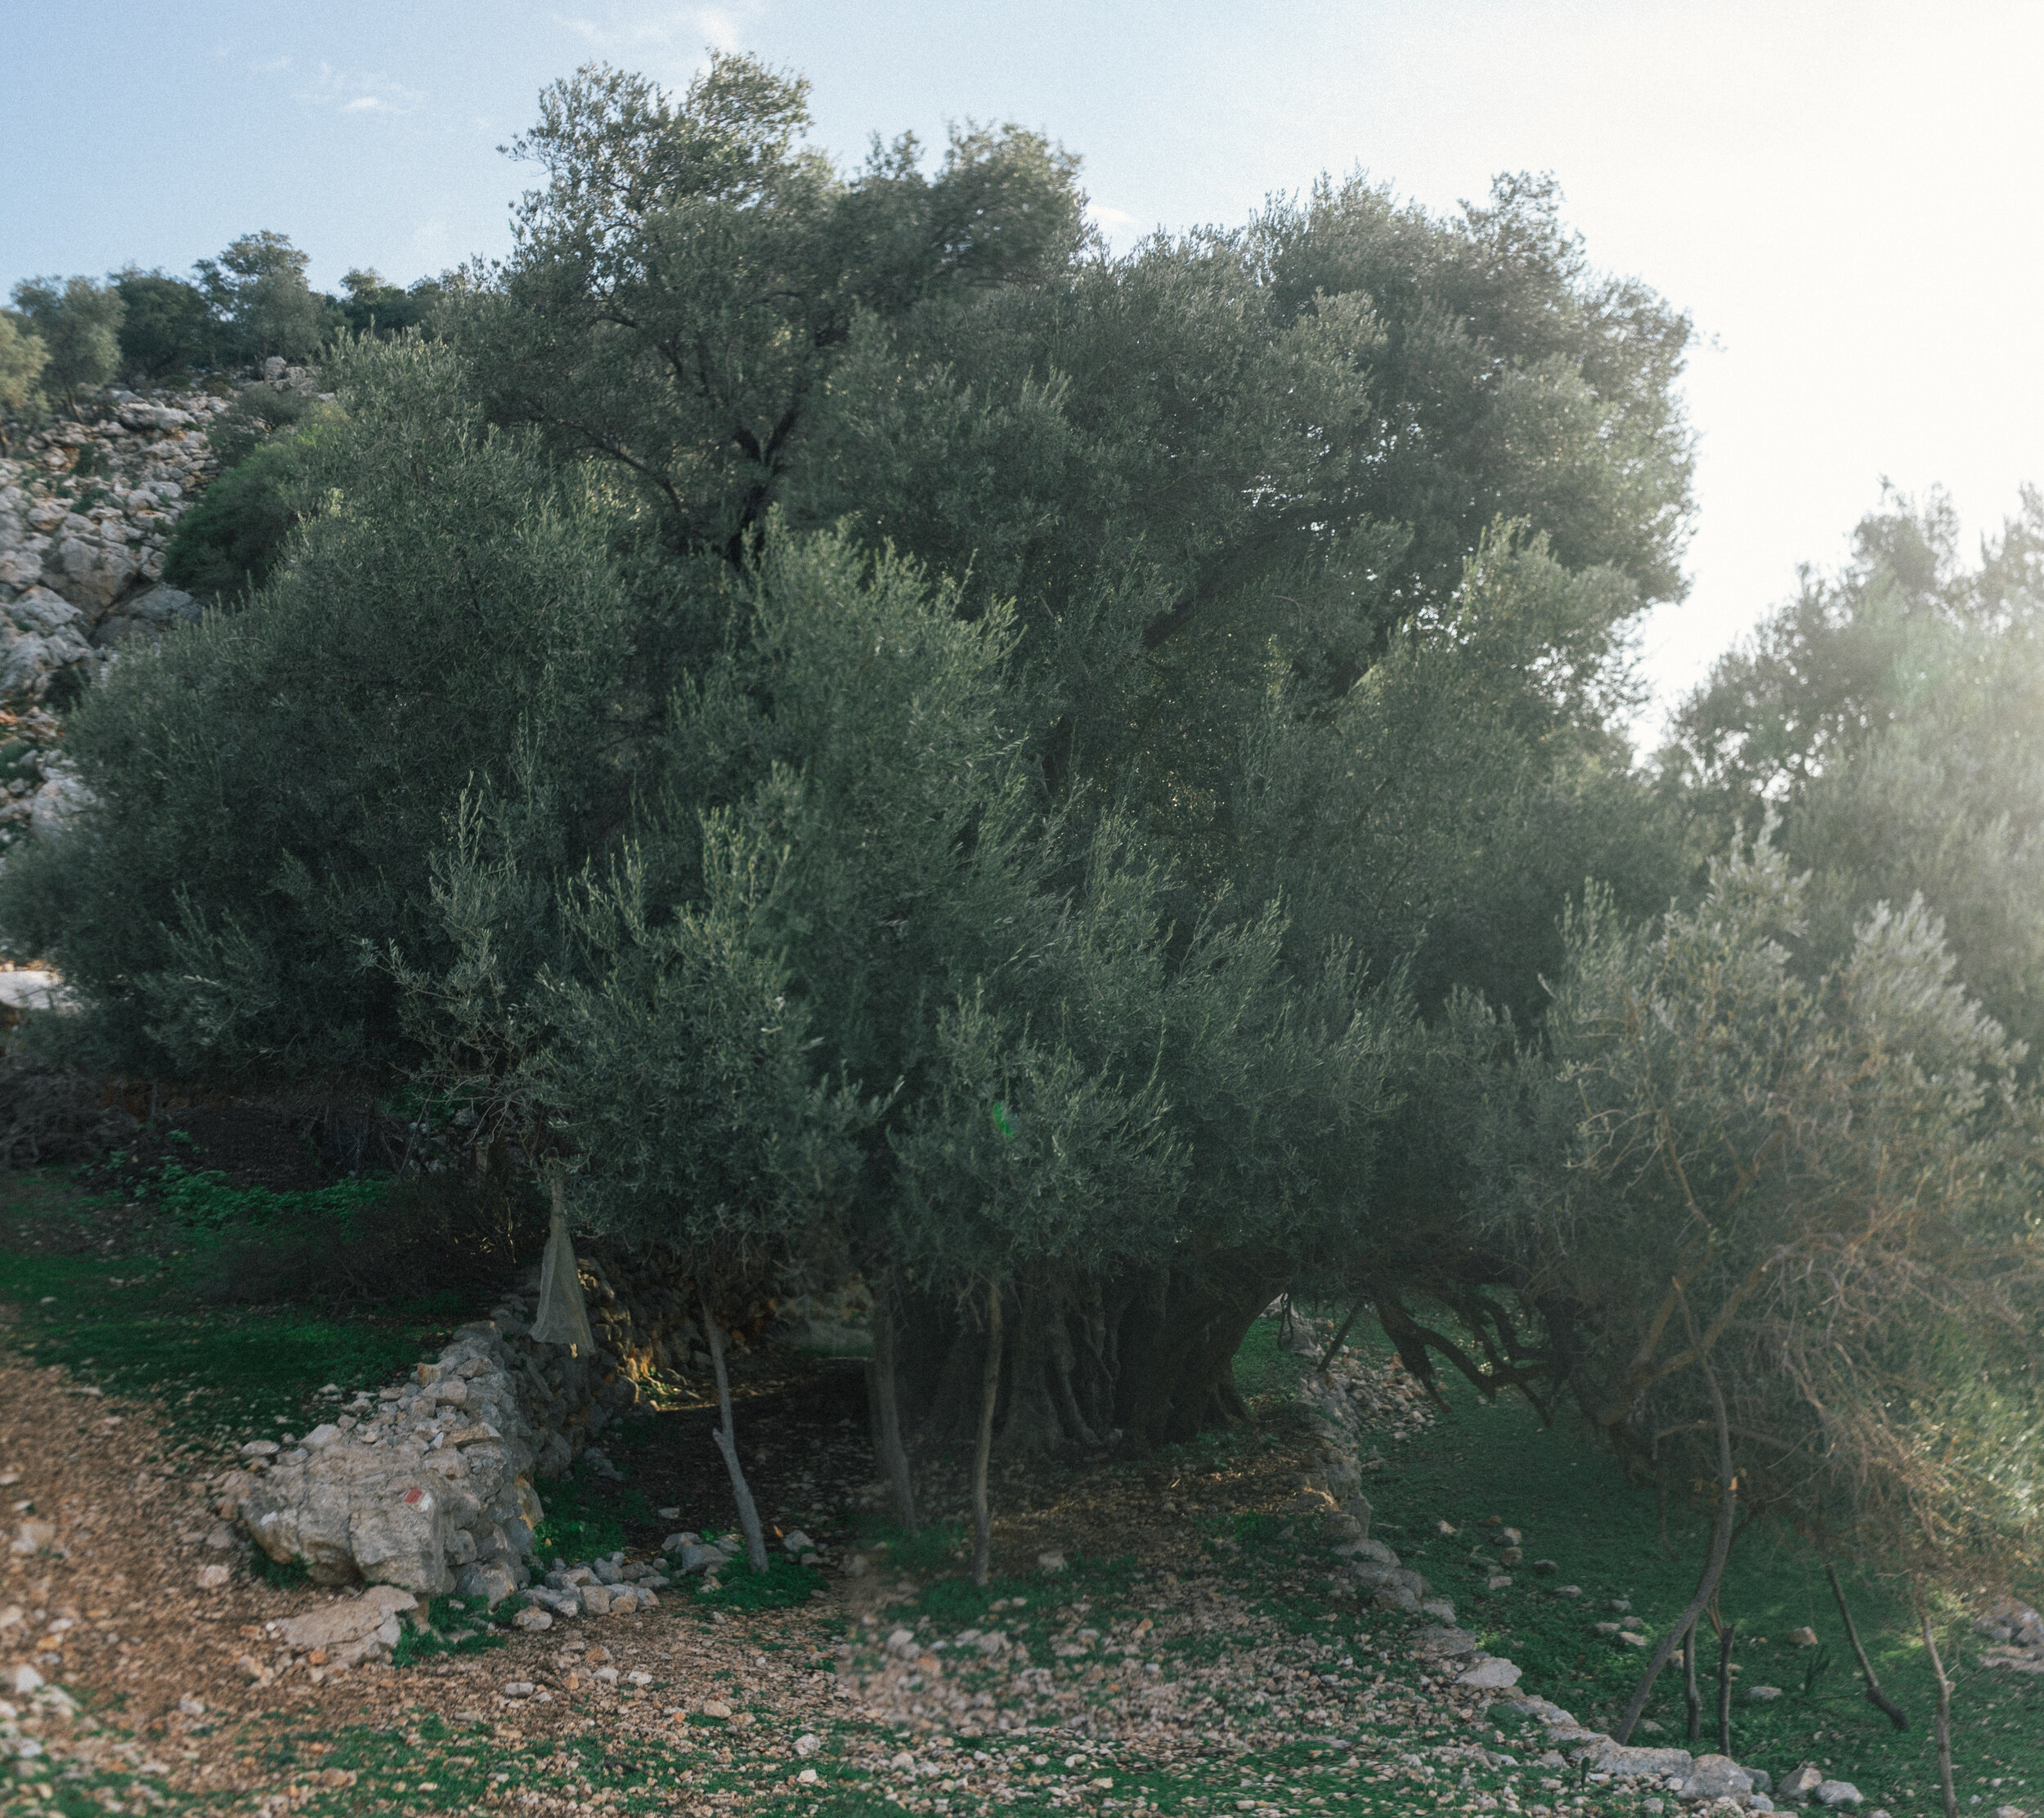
(429, 1484)
(432, 1485)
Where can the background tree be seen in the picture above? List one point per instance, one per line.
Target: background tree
(257, 290)
(167, 326)
(271, 785)
(1888, 715)
(23, 356)
(78, 323)
(371, 305)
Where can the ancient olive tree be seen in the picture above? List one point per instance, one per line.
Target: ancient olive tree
(1145, 688)
(1223, 471)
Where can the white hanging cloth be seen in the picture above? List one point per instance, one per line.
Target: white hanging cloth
(561, 1318)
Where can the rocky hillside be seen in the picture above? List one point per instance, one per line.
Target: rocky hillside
(87, 507)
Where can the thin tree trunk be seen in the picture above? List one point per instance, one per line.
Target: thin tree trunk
(989, 1393)
(1944, 1702)
(727, 1440)
(893, 1455)
(1713, 1569)
(1727, 1635)
(1876, 1696)
(1691, 1696)
(1334, 1344)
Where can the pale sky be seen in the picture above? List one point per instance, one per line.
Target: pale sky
(1844, 196)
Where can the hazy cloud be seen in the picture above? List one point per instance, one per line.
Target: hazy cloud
(1116, 225)
(359, 92)
(679, 33)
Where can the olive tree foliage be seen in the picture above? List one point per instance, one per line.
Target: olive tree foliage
(1889, 715)
(1220, 453)
(269, 788)
(985, 1061)
(23, 356)
(1443, 812)
(1787, 1209)
(78, 323)
(684, 275)
(1231, 470)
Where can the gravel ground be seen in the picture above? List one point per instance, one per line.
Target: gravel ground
(1199, 1653)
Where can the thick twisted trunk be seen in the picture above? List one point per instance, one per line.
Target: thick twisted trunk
(1147, 1355)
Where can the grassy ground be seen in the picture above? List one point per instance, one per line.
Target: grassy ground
(1574, 1507)
(126, 1316)
(118, 1301)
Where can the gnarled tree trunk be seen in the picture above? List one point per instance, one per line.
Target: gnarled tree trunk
(1147, 1354)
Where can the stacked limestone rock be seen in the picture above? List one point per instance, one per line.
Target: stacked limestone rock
(1351, 1398)
(642, 1310)
(86, 509)
(1349, 1404)
(2017, 1632)
(429, 1486)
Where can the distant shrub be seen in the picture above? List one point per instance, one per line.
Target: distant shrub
(784, 1584)
(231, 539)
(257, 413)
(372, 306)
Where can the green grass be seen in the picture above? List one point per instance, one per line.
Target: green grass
(202, 1199)
(932, 1549)
(785, 1584)
(453, 1625)
(585, 1517)
(285, 1574)
(217, 1369)
(1573, 1506)
(1262, 1366)
(129, 1322)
